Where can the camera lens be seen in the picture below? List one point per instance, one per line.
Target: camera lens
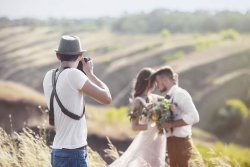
(86, 59)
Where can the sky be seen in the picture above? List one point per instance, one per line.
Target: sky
(43, 9)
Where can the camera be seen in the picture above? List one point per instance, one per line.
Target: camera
(80, 65)
(86, 59)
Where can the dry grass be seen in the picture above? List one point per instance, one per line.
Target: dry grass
(30, 150)
(112, 151)
(23, 150)
(95, 159)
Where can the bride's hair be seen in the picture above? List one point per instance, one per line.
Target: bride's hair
(142, 81)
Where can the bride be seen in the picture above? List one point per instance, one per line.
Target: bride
(148, 149)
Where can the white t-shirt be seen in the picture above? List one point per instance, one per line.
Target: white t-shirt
(70, 133)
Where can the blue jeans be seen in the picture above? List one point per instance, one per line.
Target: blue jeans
(69, 158)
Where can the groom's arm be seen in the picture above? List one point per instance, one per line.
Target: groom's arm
(174, 124)
(189, 113)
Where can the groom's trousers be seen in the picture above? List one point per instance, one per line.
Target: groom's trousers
(180, 150)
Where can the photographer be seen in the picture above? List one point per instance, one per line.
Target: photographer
(64, 89)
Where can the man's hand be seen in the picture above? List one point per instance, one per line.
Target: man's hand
(173, 107)
(167, 125)
(88, 67)
(174, 124)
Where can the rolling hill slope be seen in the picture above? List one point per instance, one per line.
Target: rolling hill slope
(26, 54)
(19, 106)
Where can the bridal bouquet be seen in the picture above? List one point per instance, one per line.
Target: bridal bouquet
(158, 112)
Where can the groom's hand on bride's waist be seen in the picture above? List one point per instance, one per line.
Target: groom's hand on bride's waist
(173, 107)
(167, 125)
(174, 124)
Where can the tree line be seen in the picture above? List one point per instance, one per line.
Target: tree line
(150, 23)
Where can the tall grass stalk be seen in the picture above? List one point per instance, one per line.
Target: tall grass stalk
(28, 149)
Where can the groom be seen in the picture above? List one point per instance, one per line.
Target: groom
(179, 143)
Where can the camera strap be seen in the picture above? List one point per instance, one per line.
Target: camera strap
(55, 95)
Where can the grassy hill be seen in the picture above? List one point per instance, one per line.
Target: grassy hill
(212, 67)
(19, 106)
(27, 53)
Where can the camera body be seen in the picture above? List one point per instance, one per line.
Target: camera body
(80, 65)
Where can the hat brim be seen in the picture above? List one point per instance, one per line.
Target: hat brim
(70, 53)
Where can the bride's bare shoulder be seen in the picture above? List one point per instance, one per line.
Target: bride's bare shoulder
(138, 100)
(136, 104)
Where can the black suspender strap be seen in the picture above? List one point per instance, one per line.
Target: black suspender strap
(63, 109)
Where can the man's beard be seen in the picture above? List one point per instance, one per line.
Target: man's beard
(163, 89)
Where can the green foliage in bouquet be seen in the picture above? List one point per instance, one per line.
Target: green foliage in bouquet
(158, 112)
(135, 114)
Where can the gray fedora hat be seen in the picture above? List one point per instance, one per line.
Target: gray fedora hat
(69, 45)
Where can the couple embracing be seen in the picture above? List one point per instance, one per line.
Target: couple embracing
(65, 88)
(149, 147)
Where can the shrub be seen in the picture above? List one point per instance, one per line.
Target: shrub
(117, 114)
(229, 34)
(165, 33)
(175, 56)
(237, 106)
(230, 117)
(202, 43)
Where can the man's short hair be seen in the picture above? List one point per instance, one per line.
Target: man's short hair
(64, 57)
(164, 71)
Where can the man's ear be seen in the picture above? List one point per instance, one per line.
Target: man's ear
(58, 56)
(80, 57)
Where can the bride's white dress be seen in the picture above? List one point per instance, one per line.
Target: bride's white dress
(148, 149)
